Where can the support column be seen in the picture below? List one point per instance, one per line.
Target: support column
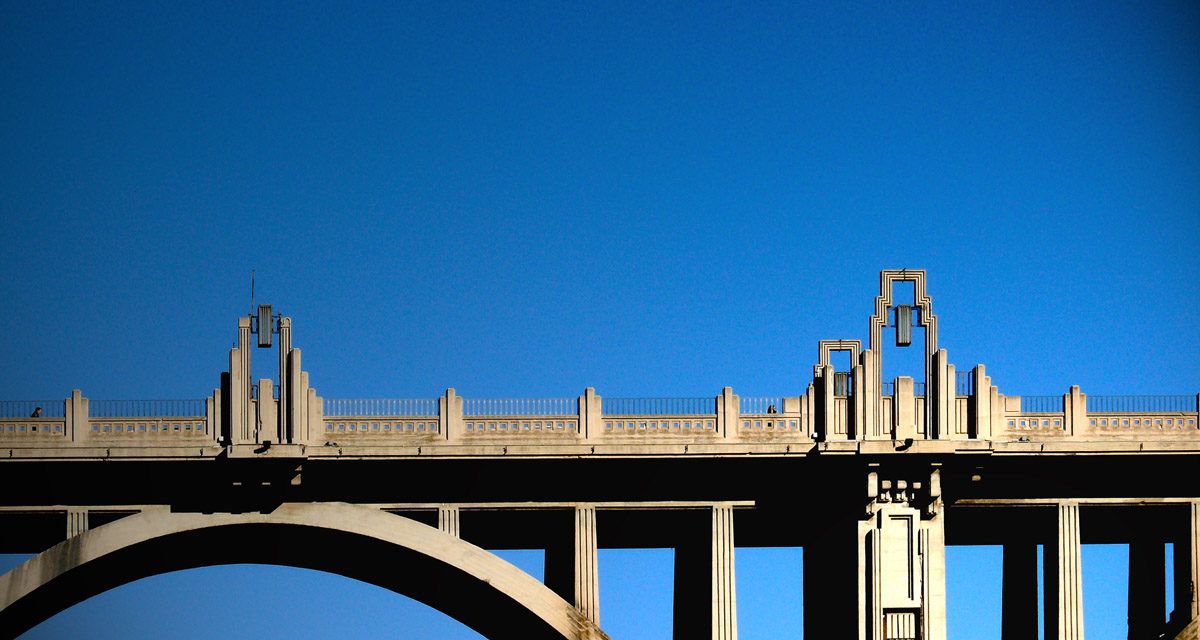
(705, 580)
(448, 520)
(1147, 589)
(572, 571)
(933, 575)
(1019, 610)
(1063, 577)
(1187, 567)
(901, 593)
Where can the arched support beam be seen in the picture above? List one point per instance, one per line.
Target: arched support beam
(467, 583)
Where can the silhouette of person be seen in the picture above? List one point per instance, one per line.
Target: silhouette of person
(771, 409)
(37, 412)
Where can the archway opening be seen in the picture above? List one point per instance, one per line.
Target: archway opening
(465, 582)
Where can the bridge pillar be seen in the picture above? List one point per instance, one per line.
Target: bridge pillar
(1019, 609)
(705, 589)
(1063, 577)
(571, 572)
(882, 574)
(1187, 567)
(1147, 589)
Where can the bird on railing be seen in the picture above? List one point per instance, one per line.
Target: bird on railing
(37, 412)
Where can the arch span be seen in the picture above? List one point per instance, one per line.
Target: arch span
(453, 576)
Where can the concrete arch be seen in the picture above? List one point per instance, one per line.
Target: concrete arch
(464, 581)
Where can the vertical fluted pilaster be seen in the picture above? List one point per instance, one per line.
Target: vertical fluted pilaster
(1064, 577)
(448, 520)
(587, 578)
(724, 584)
(77, 522)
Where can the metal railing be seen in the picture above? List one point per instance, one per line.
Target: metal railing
(658, 406)
(888, 389)
(1041, 404)
(147, 408)
(26, 408)
(919, 389)
(520, 407)
(763, 404)
(407, 407)
(964, 383)
(1140, 404)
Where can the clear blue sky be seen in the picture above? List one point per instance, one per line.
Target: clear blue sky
(527, 200)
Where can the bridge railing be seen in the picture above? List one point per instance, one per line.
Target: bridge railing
(40, 421)
(522, 416)
(1141, 404)
(148, 419)
(659, 416)
(381, 407)
(389, 418)
(1079, 415)
(476, 407)
(143, 423)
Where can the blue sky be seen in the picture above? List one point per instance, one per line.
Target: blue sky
(652, 200)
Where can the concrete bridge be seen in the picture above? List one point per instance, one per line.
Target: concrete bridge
(872, 477)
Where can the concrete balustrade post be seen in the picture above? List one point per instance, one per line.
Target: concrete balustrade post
(266, 427)
(904, 409)
(856, 407)
(293, 404)
(981, 405)
(951, 404)
(76, 411)
(826, 404)
(591, 418)
(239, 428)
(211, 411)
(450, 416)
(939, 395)
(997, 402)
(287, 382)
(242, 380)
(728, 414)
(315, 417)
(808, 412)
(867, 387)
(1075, 404)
